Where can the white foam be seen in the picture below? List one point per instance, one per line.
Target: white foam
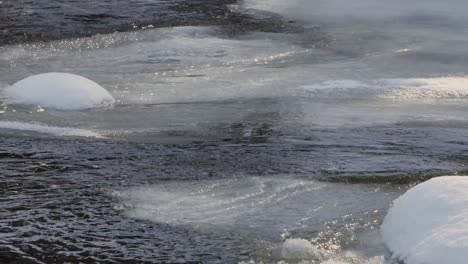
(429, 223)
(57, 131)
(58, 90)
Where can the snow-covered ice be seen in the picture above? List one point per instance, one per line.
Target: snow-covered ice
(429, 223)
(63, 91)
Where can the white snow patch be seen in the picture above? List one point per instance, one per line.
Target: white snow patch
(63, 91)
(429, 223)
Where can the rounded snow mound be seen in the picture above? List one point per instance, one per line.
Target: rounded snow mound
(429, 223)
(63, 91)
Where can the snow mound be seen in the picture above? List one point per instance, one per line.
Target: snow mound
(62, 91)
(429, 223)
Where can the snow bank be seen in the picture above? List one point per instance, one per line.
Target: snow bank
(429, 223)
(60, 91)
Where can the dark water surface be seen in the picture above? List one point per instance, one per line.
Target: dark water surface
(26, 21)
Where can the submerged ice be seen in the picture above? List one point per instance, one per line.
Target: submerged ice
(264, 208)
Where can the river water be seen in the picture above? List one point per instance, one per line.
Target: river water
(262, 131)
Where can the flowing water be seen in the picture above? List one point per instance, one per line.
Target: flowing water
(261, 131)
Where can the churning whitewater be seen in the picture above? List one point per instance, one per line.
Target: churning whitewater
(256, 131)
